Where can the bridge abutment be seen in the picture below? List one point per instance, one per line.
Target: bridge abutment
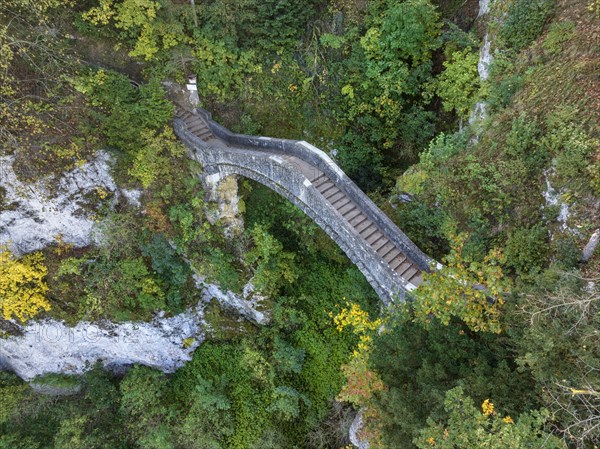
(222, 191)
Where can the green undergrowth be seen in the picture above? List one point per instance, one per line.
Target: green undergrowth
(539, 122)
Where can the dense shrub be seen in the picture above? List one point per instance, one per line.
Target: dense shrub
(168, 265)
(466, 426)
(458, 84)
(527, 250)
(23, 285)
(419, 366)
(558, 34)
(126, 111)
(525, 22)
(507, 81)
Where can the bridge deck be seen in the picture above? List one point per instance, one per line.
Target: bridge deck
(367, 230)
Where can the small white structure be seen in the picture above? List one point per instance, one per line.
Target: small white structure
(192, 87)
(192, 84)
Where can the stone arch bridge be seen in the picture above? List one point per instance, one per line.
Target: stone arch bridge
(307, 177)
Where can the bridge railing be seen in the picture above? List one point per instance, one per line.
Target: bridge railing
(319, 159)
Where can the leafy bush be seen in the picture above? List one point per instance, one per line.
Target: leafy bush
(558, 34)
(168, 265)
(151, 161)
(14, 392)
(273, 267)
(525, 22)
(572, 149)
(222, 68)
(226, 391)
(449, 292)
(522, 144)
(126, 112)
(466, 426)
(459, 82)
(147, 25)
(89, 419)
(506, 81)
(281, 22)
(432, 160)
(110, 287)
(566, 250)
(125, 284)
(527, 250)
(361, 160)
(144, 405)
(423, 224)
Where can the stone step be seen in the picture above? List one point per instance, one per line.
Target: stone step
(183, 114)
(383, 250)
(319, 177)
(368, 230)
(391, 255)
(410, 273)
(416, 279)
(336, 196)
(352, 215)
(398, 261)
(368, 235)
(205, 134)
(324, 185)
(375, 237)
(328, 189)
(321, 181)
(379, 243)
(403, 268)
(196, 126)
(358, 219)
(347, 209)
(341, 202)
(364, 225)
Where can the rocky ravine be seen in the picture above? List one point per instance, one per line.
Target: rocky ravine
(31, 218)
(32, 215)
(50, 346)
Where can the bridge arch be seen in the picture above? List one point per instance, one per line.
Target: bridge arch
(217, 174)
(307, 177)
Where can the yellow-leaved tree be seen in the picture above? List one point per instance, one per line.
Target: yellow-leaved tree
(150, 23)
(463, 288)
(361, 381)
(22, 285)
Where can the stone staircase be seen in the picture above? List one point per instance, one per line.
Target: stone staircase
(195, 124)
(372, 234)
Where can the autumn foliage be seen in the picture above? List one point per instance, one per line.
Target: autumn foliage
(22, 285)
(466, 289)
(361, 381)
